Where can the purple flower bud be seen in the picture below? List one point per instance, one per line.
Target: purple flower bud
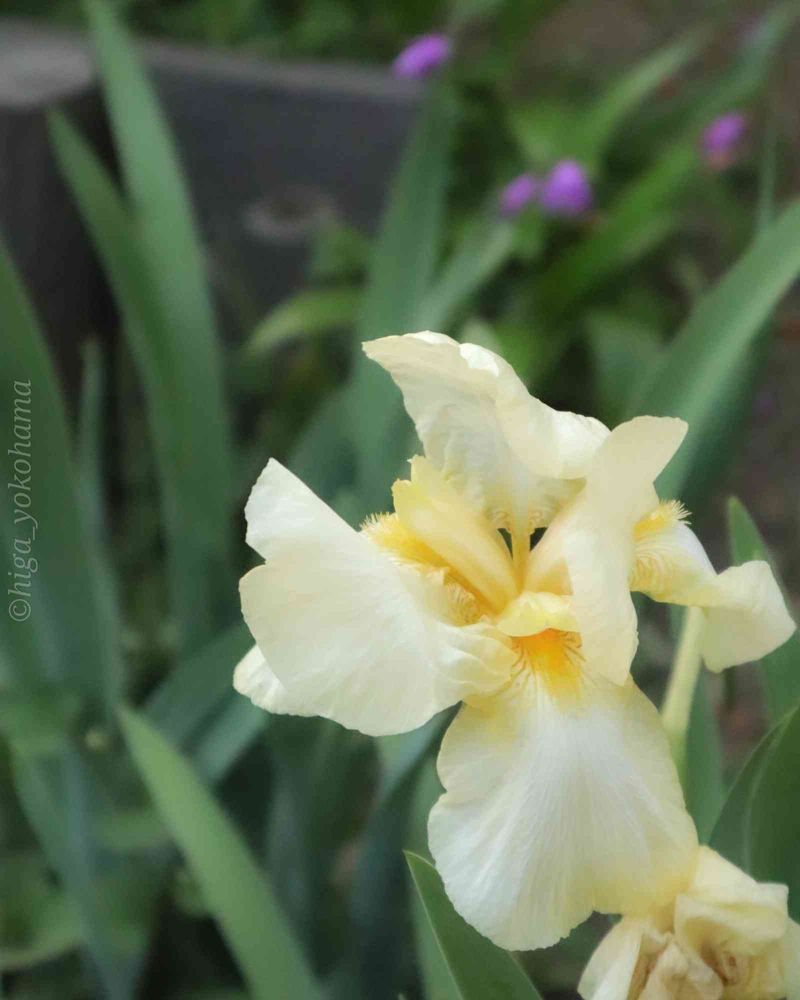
(722, 139)
(566, 190)
(517, 194)
(422, 56)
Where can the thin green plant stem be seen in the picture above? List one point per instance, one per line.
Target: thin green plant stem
(682, 682)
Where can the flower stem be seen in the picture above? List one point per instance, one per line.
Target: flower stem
(677, 707)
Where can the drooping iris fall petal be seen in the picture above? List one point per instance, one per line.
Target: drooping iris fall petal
(745, 613)
(349, 633)
(559, 794)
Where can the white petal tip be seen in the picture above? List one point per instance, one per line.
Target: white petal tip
(746, 617)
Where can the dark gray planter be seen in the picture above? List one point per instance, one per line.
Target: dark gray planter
(273, 152)
(39, 70)
(270, 151)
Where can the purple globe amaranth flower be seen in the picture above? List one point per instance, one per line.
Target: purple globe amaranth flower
(423, 56)
(566, 190)
(518, 194)
(722, 139)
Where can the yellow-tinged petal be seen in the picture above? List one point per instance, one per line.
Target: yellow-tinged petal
(791, 960)
(349, 633)
(589, 547)
(555, 807)
(433, 512)
(508, 453)
(724, 937)
(610, 971)
(529, 614)
(670, 563)
(727, 908)
(675, 974)
(746, 616)
(638, 961)
(624, 468)
(253, 678)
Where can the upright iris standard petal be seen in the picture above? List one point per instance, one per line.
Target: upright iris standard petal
(589, 547)
(745, 613)
(433, 512)
(513, 458)
(350, 635)
(556, 806)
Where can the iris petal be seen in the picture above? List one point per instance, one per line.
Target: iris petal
(556, 807)
(515, 459)
(349, 633)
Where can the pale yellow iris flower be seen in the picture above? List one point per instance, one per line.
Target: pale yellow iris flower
(723, 937)
(561, 796)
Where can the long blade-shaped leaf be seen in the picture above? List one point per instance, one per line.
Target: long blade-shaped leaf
(58, 797)
(731, 833)
(596, 127)
(480, 969)
(68, 633)
(180, 332)
(400, 274)
(704, 784)
(191, 693)
(484, 247)
(780, 669)
(379, 897)
(639, 219)
(93, 491)
(234, 887)
(71, 636)
(305, 314)
(197, 563)
(694, 374)
(775, 818)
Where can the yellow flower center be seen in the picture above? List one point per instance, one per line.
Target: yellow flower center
(555, 657)
(434, 531)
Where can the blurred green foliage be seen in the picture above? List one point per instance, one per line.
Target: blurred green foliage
(190, 846)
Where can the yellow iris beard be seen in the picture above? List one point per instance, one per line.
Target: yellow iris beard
(666, 514)
(553, 654)
(555, 657)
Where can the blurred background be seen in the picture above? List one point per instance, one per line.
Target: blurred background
(206, 206)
